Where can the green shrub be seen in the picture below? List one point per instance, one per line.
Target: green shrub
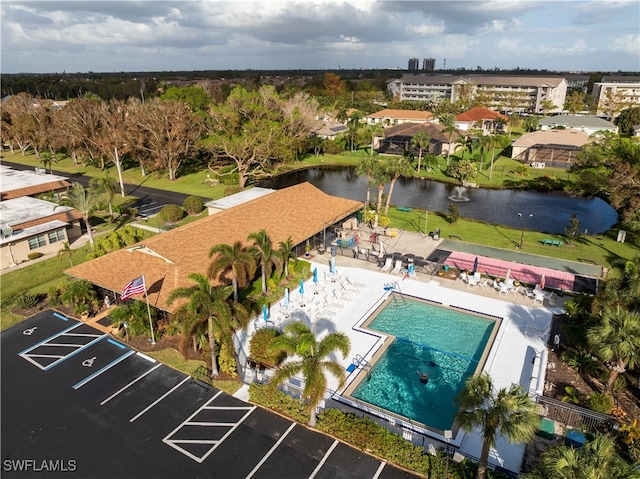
(54, 294)
(600, 403)
(259, 347)
(227, 359)
(27, 301)
(571, 395)
(193, 205)
(580, 360)
(34, 255)
(171, 213)
(384, 221)
(454, 213)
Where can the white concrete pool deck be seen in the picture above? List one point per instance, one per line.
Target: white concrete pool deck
(523, 333)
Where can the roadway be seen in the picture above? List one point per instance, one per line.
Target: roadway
(149, 201)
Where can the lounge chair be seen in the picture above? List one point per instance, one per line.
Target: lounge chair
(387, 265)
(355, 286)
(397, 268)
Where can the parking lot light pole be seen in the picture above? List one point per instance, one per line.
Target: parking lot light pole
(524, 220)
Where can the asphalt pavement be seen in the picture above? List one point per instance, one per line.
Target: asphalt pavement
(149, 201)
(75, 401)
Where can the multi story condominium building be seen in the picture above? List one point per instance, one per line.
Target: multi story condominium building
(615, 93)
(429, 64)
(502, 93)
(414, 64)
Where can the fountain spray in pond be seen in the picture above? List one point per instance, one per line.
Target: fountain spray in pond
(459, 194)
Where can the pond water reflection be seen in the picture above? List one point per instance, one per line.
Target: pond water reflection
(551, 211)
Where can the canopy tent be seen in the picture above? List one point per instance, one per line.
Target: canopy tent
(522, 272)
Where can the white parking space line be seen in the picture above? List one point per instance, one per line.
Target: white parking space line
(268, 454)
(99, 372)
(176, 443)
(159, 399)
(130, 384)
(31, 348)
(324, 459)
(379, 471)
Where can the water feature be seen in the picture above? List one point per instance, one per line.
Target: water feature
(459, 194)
(551, 210)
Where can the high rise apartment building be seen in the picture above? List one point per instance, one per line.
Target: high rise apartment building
(429, 64)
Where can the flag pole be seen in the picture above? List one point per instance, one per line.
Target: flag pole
(153, 339)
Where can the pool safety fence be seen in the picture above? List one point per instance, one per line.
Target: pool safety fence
(575, 416)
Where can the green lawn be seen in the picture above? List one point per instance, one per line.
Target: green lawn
(601, 249)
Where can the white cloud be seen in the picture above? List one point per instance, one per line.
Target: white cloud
(629, 43)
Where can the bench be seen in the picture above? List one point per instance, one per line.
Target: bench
(405, 209)
(552, 242)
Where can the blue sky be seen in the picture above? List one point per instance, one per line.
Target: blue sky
(111, 36)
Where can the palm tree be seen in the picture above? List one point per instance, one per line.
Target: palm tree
(396, 167)
(206, 303)
(285, 250)
(616, 340)
(310, 358)
(372, 132)
(420, 141)
(264, 253)
(465, 142)
(493, 142)
(84, 200)
(448, 123)
(65, 251)
(48, 159)
(380, 177)
(235, 260)
(366, 167)
(106, 185)
(509, 413)
(353, 126)
(597, 459)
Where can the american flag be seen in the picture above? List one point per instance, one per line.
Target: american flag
(135, 286)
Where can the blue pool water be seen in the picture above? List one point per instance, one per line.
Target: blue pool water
(445, 343)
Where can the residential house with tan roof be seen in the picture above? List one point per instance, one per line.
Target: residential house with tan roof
(302, 212)
(557, 148)
(489, 121)
(391, 117)
(397, 139)
(16, 183)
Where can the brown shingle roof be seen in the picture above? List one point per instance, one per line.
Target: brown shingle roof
(411, 129)
(299, 211)
(35, 189)
(479, 113)
(66, 216)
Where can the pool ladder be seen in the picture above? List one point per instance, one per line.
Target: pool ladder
(364, 364)
(398, 299)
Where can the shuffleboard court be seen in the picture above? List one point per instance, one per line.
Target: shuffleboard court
(103, 410)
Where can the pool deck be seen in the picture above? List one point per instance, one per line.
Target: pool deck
(515, 357)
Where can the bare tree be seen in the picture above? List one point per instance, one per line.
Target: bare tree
(168, 130)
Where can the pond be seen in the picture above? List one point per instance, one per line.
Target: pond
(551, 211)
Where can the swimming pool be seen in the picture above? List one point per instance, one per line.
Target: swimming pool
(448, 344)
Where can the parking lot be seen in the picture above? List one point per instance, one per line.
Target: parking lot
(76, 401)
